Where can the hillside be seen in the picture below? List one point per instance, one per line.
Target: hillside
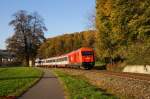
(66, 43)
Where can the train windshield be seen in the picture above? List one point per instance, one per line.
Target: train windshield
(86, 53)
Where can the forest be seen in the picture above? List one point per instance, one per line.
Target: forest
(123, 30)
(122, 34)
(63, 44)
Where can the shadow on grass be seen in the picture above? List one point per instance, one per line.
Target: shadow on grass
(3, 70)
(27, 77)
(8, 97)
(103, 67)
(104, 92)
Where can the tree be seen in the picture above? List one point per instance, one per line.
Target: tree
(28, 35)
(66, 43)
(120, 24)
(91, 25)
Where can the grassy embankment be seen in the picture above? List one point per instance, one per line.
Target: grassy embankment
(100, 65)
(15, 80)
(78, 88)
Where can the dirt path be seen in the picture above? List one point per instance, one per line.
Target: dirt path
(47, 88)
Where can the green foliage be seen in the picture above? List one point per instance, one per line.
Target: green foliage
(121, 25)
(79, 88)
(122, 34)
(100, 63)
(14, 81)
(139, 53)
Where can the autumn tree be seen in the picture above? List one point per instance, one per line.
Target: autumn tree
(66, 43)
(28, 35)
(91, 24)
(121, 25)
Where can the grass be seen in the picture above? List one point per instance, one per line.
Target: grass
(79, 88)
(99, 65)
(15, 80)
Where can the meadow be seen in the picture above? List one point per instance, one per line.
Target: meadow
(16, 80)
(77, 87)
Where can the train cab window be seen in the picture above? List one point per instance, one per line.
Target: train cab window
(86, 53)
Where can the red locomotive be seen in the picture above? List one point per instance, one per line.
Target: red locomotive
(83, 57)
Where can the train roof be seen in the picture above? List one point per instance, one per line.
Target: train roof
(85, 48)
(66, 55)
(81, 49)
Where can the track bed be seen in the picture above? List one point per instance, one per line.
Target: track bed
(124, 85)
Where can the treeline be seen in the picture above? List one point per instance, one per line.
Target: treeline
(122, 34)
(123, 30)
(66, 43)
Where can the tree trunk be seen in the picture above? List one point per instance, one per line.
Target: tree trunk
(27, 60)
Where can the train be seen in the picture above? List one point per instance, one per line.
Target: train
(80, 58)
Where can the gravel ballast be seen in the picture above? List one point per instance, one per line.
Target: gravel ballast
(123, 87)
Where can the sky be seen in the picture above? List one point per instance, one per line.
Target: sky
(60, 16)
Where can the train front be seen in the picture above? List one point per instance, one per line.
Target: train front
(88, 60)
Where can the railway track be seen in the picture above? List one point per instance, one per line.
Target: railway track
(136, 76)
(132, 85)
